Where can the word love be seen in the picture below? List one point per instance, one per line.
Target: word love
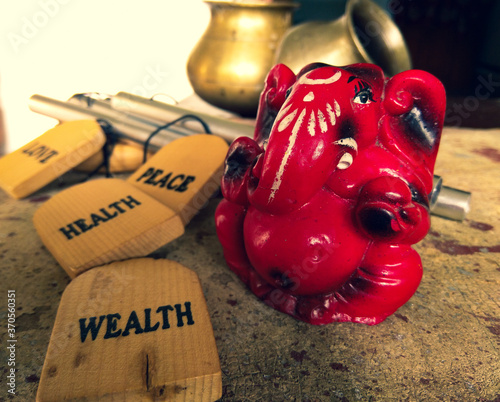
(41, 153)
(133, 323)
(114, 209)
(177, 183)
(50, 155)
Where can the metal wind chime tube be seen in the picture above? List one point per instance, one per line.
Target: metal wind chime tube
(162, 112)
(128, 128)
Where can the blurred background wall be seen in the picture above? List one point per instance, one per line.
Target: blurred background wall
(61, 47)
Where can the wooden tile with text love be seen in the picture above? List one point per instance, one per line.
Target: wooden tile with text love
(52, 154)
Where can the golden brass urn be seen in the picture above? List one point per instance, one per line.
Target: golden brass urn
(229, 64)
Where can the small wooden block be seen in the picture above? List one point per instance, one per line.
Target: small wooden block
(55, 152)
(184, 174)
(135, 330)
(101, 221)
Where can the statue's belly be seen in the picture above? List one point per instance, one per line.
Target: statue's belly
(310, 251)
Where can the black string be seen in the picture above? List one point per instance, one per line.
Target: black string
(107, 149)
(185, 117)
(112, 138)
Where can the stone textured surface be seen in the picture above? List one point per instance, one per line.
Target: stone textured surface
(444, 344)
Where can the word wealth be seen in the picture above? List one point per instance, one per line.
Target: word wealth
(111, 328)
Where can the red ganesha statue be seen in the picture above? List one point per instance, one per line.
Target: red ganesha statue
(322, 206)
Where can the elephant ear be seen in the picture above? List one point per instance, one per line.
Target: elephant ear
(414, 107)
(279, 79)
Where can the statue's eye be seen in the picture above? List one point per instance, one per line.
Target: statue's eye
(363, 93)
(364, 96)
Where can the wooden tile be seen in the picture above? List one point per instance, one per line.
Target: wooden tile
(101, 221)
(184, 174)
(55, 152)
(135, 330)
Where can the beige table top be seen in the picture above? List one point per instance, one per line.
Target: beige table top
(444, 344)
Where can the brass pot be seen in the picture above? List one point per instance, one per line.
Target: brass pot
(229, 64)
(364, 34)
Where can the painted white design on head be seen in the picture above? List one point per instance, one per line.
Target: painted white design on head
(331, 114)
(319, 150)
(348, 142)
(279, 175)
(284, 110)
(311, 126)
(298, 123)
(309, 97)
(320, 81)
(337, 108)
(285, 122)
(345, 161)
(322, 121)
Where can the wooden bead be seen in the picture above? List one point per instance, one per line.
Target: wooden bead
(124, 158)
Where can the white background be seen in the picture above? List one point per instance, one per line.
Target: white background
(57, 48)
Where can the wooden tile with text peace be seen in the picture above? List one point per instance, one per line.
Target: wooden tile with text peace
(136, 330)
(101, 221)
(184, 174)
(55, 152)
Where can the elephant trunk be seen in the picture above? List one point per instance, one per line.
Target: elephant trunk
(297, 161)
